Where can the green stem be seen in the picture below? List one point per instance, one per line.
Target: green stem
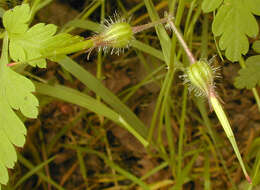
(158, 106)
(135, 8)
(256, 95)
(205, 37)
(181, 134)
(165, 102)
(172, 4)
(99, 60)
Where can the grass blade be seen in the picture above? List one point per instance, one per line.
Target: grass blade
(30, 166)
(83, 100)
(161, 33)
(32, 172)
(113, 165)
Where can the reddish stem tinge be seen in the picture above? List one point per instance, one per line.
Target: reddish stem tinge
(12, 64)
(140, 28)
(183, 43)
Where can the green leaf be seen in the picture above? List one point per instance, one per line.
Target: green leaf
(15, 93)
(233, 23)
(4, 174)
(2, 11)
(27, 46)
(210, 5)
(254, 6)
(249, 76)
(15, 20)
(256, 46)
(30, 45)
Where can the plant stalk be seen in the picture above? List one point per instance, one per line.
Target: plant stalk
(182, 42)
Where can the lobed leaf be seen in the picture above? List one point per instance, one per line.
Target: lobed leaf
(24, 43)
(16, 20)
(254, 6)
(29, 45)
(210, 5)
(233, 23)
(15, 93)
(249, 76)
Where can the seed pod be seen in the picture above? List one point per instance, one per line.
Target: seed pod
(201, 77)
(118, 35)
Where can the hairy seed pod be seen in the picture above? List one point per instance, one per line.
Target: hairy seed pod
(118, 35)
(201, 76)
